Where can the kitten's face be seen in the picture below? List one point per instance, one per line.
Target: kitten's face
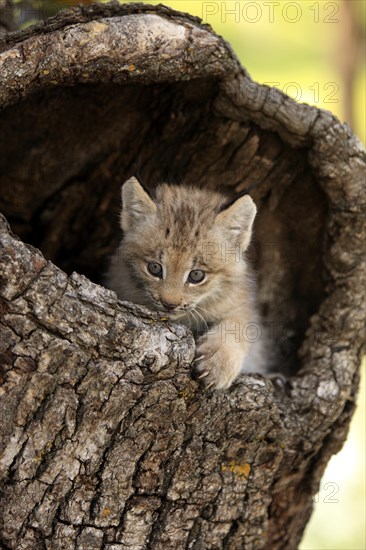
(175, 281)
(183, 253)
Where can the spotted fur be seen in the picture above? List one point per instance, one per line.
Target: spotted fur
(183, 229)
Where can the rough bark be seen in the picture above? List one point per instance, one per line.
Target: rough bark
(107, 441)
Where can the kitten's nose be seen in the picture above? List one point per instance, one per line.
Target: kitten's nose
(168, 305)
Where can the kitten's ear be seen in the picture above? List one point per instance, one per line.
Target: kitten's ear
(136, 204)
(238, 218)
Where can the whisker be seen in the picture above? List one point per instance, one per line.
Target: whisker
(203, 319)
(202, 308)
(197, 321)
(212, 316)
(191, 314)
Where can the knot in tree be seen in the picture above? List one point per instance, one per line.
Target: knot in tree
(107, 440)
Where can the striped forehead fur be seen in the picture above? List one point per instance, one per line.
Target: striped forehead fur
(185, 211)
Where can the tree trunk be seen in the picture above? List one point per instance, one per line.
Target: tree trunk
(107, 441)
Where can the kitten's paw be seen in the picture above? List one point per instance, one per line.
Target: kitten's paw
(216, 368)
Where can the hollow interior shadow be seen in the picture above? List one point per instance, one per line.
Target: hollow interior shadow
(66, 152)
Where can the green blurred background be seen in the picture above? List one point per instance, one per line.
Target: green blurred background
(315, 52)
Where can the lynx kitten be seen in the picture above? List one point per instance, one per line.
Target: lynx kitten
(182, 254)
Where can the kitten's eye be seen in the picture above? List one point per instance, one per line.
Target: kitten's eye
(196, 276)
(155, 269)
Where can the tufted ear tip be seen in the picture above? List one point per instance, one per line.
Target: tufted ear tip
(136, 204)
(237, 219)
(248, 207)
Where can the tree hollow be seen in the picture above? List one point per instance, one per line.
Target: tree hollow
(107, 441)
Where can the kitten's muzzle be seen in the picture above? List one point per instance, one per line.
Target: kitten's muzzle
(169, 306)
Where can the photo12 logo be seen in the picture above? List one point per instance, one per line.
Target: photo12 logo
(266, 252)
(315, 92)
(270, 12)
